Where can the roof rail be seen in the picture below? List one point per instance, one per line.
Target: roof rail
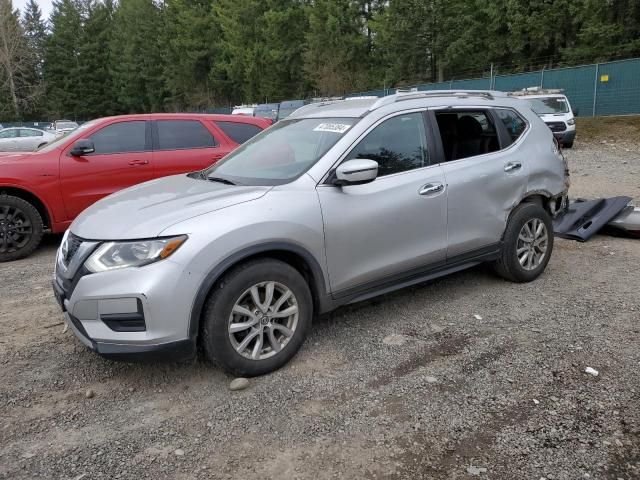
(402, 96)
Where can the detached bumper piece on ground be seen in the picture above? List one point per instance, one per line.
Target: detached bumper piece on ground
(583, 219)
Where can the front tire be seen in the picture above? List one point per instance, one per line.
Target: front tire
(21, 228)
(256, 317)
(568, 144)
(527, 244)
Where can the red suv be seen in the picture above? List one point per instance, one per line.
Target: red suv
(45, 190)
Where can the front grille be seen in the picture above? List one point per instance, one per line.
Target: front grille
(557, 126)
(73, 244)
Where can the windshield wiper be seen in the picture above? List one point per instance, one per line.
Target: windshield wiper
(220, 180)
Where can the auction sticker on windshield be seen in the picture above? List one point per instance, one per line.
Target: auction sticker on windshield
(332, 127)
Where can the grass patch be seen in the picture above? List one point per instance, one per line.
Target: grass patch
(597, 129)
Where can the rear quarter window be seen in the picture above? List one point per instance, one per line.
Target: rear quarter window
(239, 132)
(513, 122)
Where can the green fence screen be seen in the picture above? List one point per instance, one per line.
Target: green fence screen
(611, 88)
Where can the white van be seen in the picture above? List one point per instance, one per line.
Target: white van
(243, 110)
(554, 109)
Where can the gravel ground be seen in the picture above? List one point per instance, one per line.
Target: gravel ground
(468, 376)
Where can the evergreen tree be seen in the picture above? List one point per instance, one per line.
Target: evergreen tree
(36, 35)
(95, 86)
(190, 47)
(137, 56)
(62, 69)
(336, 56)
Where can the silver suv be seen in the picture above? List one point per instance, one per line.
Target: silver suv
(342, 201)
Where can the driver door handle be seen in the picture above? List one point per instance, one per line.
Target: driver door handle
(431, 188)
(512, 166)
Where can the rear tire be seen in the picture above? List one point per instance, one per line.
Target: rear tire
(21, 228)
(256, 317)
(527, 244)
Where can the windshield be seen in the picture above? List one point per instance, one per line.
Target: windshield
(281, 153)
(549, 105)
(77, 133)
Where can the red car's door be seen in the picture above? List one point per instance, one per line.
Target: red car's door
(186, 145)
(122, 158)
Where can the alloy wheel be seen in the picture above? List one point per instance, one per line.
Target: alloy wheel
(15, 229)
(263, 320)
(532, 244)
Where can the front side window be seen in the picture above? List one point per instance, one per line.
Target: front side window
(239, 132)
(120, 137)
(546, 105)
(11, 133)
(183, 134)
(281, 153)
(466, 134)
(397, 144)
(513, 122)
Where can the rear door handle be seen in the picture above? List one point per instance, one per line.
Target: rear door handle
(138, 162)
(512, 166)
(431, 188)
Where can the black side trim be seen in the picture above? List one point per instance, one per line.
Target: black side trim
(416, 275)
(171, 352)
(126, 322)
(321, 295)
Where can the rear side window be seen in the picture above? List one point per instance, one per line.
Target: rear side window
(183, 134)
(466, 134)
(120, 137)
(397, 144)
(25, 132)
(239, 132)
(513, 122)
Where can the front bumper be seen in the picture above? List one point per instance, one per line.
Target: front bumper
(131, 314)
(568, 136)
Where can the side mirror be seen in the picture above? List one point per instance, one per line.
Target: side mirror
(576, 111)
(356, 172)
(82, 147)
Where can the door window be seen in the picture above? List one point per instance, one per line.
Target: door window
(120, 138)
(398, 144)
(13, 133)
(27, 132)
(183, 134)
(513, 122)
(239, 132)
(466, 134)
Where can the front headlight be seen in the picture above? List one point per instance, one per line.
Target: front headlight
(115, 255)
(571, 121)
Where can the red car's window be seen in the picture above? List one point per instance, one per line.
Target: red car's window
(182, 134)
(239, 132)
(120, 138)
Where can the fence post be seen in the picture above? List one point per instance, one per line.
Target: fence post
(595, 90)
(542, 77)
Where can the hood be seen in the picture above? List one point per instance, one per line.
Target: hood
(8, 157)
(145, 210)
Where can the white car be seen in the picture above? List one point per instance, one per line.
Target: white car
(554, 109)
(62, 127)
(243, 110)
(22, 139)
